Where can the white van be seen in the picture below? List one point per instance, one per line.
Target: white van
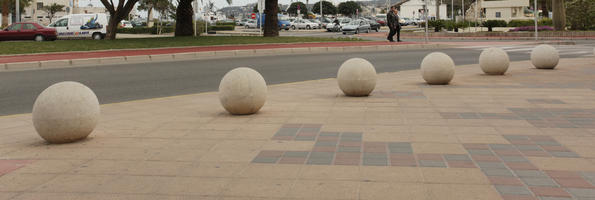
(81, 26)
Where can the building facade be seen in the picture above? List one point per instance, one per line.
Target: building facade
(503, 9)
(413, 9)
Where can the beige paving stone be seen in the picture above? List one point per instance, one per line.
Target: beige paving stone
(391, 174)
(18, 182)
(567, 164)
(453, 175)
(439, 148)
(257, 188)
(372, 190)
(50, 166)
(461, 192)
(310, 189)
(194, 186)
(329, 172)
(233, 151)
(67, 183)
(282, 145)
(214, 170)
(584, 151)
(268, 171)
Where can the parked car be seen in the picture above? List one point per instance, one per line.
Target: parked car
(27, 31)
(374, 25)
(381, 19)
(81, 26)
(409, 21)
(250, 24)
(357, 26)
(331, 27)
(241, 22)
(303, 24)
(126, 24)
(284, 25)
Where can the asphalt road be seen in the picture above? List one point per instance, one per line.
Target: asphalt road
(118, 83)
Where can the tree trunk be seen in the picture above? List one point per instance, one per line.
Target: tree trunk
(559, 11)
(5, 10)
(112, 27)
(184, 14)
(437, 9)
(271, 27)
(149, 16)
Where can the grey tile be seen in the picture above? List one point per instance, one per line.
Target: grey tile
(538, 181)
(432, 163)
(349, 149)
(528, 147)
(322, 154)
(530, 173)
(287, 132)
(578, 192)
(375, 162)
(469, 115)
(479, 152)
(497, 172)
(296, 154)
(589, 176)
(319, 161)
(548, 143)
(325, 143)
(310, 129)
(564, 154)
(512, 190)
(400, 150)
(265, 160)
(351, 139)
(555, 198)
(502, 146)
(491, 165)
(329, 134)
(460, 157)
(399, 145)
(516, 137)
(305, 138)
(375, 156)
(351, 135)
(514, 159)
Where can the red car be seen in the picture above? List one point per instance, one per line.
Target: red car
(381, 22)
(27, 31)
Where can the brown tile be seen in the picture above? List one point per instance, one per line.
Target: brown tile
(555, 148)
(562, 174)
(521, 142)
(347, 161)
(573, 183)
(535, 153)
(485, 158)
(461, 164)
(549, 192)
(401, 156)
(501, 180)
(403, 163)
(327, 138)
(518, 197)
(541, 138)
(350, 144)
(476, 146)
(342, 155)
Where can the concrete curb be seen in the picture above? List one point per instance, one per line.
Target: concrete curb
(205, 55)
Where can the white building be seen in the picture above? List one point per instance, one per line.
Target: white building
(414, 9)
(35, 12)
(504, 9)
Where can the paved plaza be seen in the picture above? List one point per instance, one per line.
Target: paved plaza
(526, 135)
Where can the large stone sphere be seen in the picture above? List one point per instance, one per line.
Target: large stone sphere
(242, 91)
(65, 112)
(437, 68)
(494, 61)
(545, 57)
(357, 77)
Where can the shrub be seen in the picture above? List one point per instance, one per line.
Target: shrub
(146, 30)
(545, 22)
(221, 28)
(519, 23)
(494, 23)
(531, 28)
(226, 23)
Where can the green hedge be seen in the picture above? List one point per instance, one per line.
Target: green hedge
(226, 23)
(545, 22)
(221, 28)
(519, 23)
(146, 30)
(494, 23)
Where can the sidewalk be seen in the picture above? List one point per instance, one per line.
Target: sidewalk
(524, 135)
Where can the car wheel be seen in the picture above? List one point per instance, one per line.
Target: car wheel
(356, 31)
(308, 27)
(377, 29)
(39, 38)
(293, 27)
(367, 30)
(344, 33)
(97, 36)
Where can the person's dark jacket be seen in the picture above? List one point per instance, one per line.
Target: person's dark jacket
(392, 20)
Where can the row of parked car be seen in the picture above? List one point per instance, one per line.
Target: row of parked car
(68, 27)
(283, 24)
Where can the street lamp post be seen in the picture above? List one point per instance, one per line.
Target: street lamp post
(535, 15)
(18, 11)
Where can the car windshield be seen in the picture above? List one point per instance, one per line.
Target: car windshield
(346, 21)
(355, 22)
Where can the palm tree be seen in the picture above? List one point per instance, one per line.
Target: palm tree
(559, 11)
(271, 8)
(184, 14)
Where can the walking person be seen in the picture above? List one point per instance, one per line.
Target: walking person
(392, 20)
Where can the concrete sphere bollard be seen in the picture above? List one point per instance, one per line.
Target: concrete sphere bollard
(494, 61)
(437, 68)
(544, 57)
(357, 77)
(242, 91)
(65, 112)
